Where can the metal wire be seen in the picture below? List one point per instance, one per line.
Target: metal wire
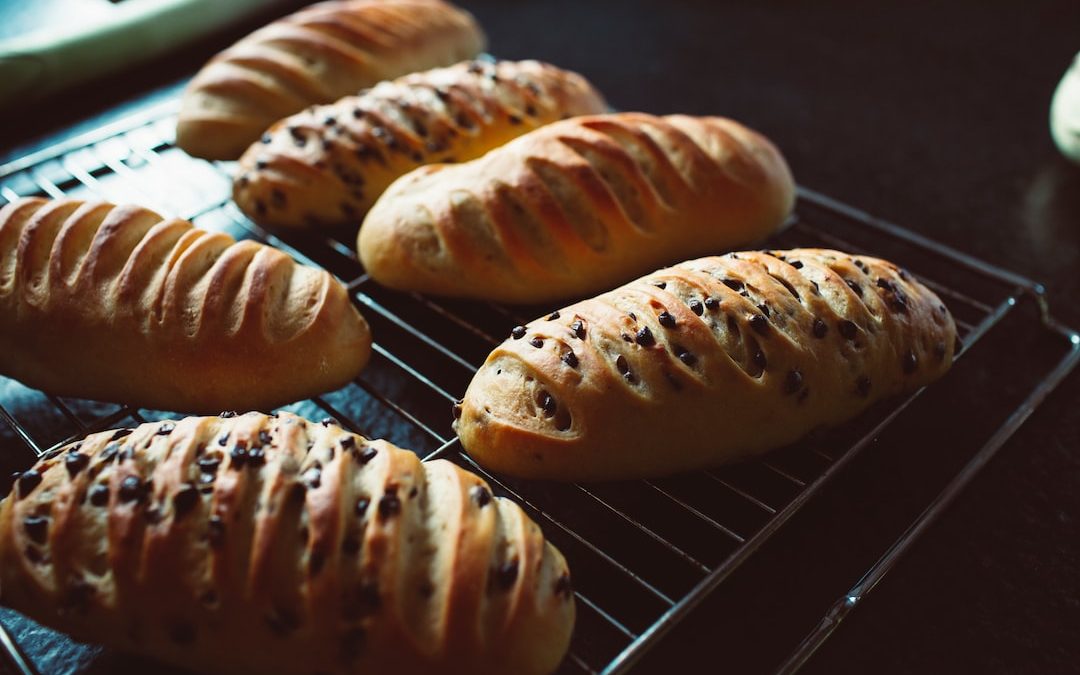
(842, 608)
(622, 628)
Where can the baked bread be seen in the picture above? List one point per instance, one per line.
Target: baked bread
(577, 207)
(275, 545)
(328, 164)
(316, 55)
(710, 361)
(117, 303)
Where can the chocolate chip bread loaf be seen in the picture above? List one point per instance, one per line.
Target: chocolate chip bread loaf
(117, 303)
(260, 544)
(709, 361)
(328, 164)
(577, 207)
(316, 55)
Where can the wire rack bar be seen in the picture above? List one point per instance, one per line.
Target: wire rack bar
(88, 181)
(581, 665)
(921, 241)
(843, 607)
(615, 623)
(450, 316)
(13, 655)
(341, 418)
(956, 296)
(19, 431)
(645, 530)
(708, 520)
(66, 412)
(633, 653)
(368, 301)
(136, 180)
(566, 529)
(48, 187)
(405, 414)
(745, 495)
(107, 422)
(783, 474)
(416, 374)
(148, 115)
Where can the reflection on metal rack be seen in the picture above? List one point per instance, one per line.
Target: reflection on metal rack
(644, 553)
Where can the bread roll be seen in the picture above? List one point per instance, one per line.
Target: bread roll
(275, 545)
(117, 303)
(710, 361)
(328, 164)
(316, 55)
(577, 207)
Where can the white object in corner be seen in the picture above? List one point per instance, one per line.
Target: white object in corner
(54, 57)
(1065, 113)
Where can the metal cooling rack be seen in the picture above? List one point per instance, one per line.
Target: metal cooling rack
(643, 553)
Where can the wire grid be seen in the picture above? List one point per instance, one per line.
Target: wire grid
(643, 553)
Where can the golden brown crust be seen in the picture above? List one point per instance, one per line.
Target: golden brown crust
(257, 544)
(328, 164)
(576, 207)
(709, 361)
(116, 303)
(316, 55)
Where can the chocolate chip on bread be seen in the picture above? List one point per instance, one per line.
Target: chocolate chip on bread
(316, 55)
(709, 361)
(258, 544)
(328, 164)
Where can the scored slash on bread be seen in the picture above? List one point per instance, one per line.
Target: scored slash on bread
(120, 304)
(328, 164)
(316, 55)
(709, 361)
(257, 544)
(577, 207)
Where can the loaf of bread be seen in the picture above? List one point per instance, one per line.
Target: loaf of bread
(577, 207)
(256, 544)
(117, 303)
(316, 55)
(710, 361)
(328, 164)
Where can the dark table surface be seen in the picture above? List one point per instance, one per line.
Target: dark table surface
(932, 115)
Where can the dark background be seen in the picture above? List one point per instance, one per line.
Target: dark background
(931, 115)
